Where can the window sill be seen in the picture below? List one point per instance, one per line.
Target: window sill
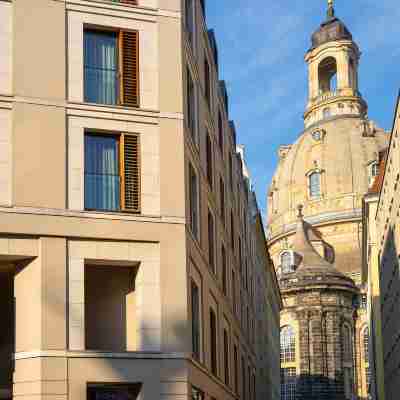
(109, 107)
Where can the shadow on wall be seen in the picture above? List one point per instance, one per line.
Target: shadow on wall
(390, 306)
(175, 332)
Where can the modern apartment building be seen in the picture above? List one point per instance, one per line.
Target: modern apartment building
(132, 258)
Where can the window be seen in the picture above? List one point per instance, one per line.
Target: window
(220, 133)
(112, 172)
(197, 394)
(195, 321)
(366, 358)
(209, 158)
(234, 300)
(347, 345)
(189, 20)
(240, 256)
(232, 232)
(230, 173)
(207, 81)
(326, 113)
(224, 272)
(222, 199)
(236, 368)
(288, 345)
(288, 383)
(213, 342)
(107, 391)
(315, 184)
(111, 73)
(193, 202)
(226, 357)
(211, 238)
(191, 107)
(243, 379)
(287, 262)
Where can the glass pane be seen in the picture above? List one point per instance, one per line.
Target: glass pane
(101, 67)
(315, 184)
(102, 180)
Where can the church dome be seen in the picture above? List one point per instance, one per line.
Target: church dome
(330, 31)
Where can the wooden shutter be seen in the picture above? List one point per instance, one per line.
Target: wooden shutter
(133, 2)
(130, 171)
(129, 68)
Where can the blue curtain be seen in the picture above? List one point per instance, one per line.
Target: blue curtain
(102, 180)
(101, 67)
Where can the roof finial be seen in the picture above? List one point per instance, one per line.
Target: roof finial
(331, 10)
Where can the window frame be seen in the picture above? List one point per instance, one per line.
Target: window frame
(119, 33)
(194, 212)
(121, 151)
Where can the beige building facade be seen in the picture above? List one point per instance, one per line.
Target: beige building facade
(328, 170)
(381, 269)
(132, 257)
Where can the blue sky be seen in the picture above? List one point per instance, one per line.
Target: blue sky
(261, 46)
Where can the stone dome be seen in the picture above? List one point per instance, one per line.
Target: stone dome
(330, 31)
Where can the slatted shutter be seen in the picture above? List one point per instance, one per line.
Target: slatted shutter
(130, 170)
(133, 2)
(129, 68)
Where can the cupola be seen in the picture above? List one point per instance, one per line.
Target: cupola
(333, 61)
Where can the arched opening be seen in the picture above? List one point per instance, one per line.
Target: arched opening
(315, 184)
(327, 75)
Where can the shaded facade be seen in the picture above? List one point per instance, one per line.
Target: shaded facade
(381, 269)
(328, 170)
(130, 258)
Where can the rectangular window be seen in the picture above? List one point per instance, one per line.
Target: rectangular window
(207, 81)
(226, 357)
(112, 172)
(189, 20)
(244, 386)
(191, 106)
(224, 272)
(195, 321)
(222, 199)
(107, 391)
(236, 368)
(111, 67)
(211, 238)
(249, 383)
(213, 343)
(230, 173)
(234, 300)
(220, 133)
(232, 232)
(194, 202)
(240, 255)
(209, 157)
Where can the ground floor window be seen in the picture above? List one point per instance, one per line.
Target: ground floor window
(197, 394)
(288, 383)
(113, 391)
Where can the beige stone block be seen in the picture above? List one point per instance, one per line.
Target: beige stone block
(23, 247)
(76, 291)
(81, 249)
(144, 252)
(4, 246)
(174, 388)
(150, 204)
(112, 251)
(76, 269)
(149, 273)
(76, 315)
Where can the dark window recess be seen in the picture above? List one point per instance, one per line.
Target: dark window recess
(207, 81)
(109, 391)
(191, 118)
(220, 133)
(224, 271)
(195, 321)
(211, 238)
(209, 156)
(213, 343)
(226, 357)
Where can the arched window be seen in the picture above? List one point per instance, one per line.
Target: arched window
(326, 113)
(373, 172)
(288, 345)
(315, 184)
(287, 262)
(327, 74)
